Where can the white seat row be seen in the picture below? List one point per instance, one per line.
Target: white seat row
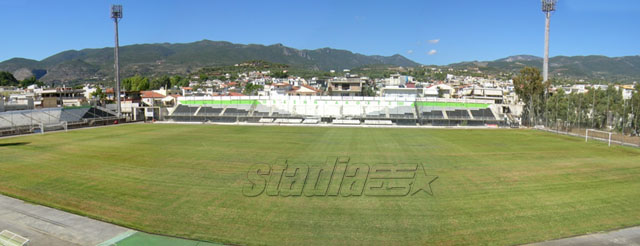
(288, 121)
(310, 121)
(346, 122)
(378, 122)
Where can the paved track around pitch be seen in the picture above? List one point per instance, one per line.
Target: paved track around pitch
(51, 227)
(627, 236)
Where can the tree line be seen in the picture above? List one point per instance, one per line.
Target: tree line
(597, 108)
(141, 83)
(135, 83)
(7, 79)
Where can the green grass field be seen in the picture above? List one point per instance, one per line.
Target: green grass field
(495, 186)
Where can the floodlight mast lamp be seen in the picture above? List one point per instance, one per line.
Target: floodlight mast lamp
(116, 14)
(548, 6)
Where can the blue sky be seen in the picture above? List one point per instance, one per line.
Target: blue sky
(427, 31)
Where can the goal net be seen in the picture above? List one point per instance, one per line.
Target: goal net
(592, 134)
(52, 127)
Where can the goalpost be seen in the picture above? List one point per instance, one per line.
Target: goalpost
(598, 135)
(52, 127)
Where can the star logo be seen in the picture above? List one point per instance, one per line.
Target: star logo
(423, 182)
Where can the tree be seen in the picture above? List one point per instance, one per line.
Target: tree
(179, 81)
(368, 91)
(100, 95)
(531, 90)
(439, 76)
(30, 81)
(7, 79)
(635, 110)
(251, 89)
(557, 108)
(160, 82)
(614, 108)
(280, 74)
(203, 77)
(135, 83)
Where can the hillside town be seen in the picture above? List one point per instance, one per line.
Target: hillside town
(262, 83)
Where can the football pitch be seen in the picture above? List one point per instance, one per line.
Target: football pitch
(497, 186)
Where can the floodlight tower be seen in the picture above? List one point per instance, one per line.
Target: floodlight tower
(548, 6)
(116, 14)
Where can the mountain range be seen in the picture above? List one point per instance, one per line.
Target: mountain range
(165, 58)
(625, 69)
(185, 58)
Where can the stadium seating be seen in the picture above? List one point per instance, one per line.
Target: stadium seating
(288, 121)
(41, 116)
(25, 121)
(458, 114)
(238, 110)
(13, 119)
(96, 112)
(311, 121)
(375, 111)
(483, 114)
(280, 114)
(185, 110)
(399, 111)
(346, 122)
(5, 123)
(45, 116)
(378, 122)
(210, 111)
(73, 114)
(261, 110)
(435, 114)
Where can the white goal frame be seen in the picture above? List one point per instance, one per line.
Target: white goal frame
(62, 124)
(586, 136)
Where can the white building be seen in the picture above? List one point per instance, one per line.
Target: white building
(397, 79)
(627, 91)
(88, 90)
(435, 90)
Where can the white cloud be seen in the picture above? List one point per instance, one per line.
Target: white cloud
(432, 52)
(434, 41)
(409, 52)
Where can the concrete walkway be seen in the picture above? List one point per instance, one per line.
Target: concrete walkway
(45, 226)
(49, 227)
(627, 236)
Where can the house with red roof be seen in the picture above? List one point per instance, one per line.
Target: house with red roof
(304, 90)
(151, 98)
(170, 100)
(281, 88)
(186, 91)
